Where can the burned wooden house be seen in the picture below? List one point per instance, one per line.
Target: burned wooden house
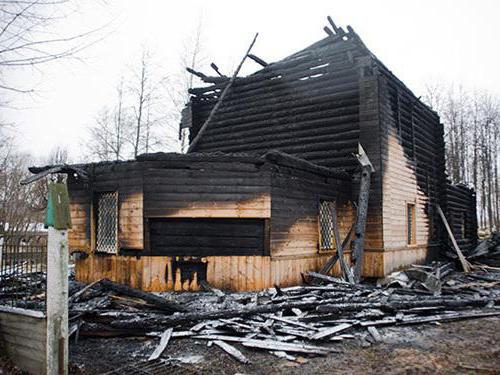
(270, 174)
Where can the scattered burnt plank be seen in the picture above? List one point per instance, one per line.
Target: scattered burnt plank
(158, 302)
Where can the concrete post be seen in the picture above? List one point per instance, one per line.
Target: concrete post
(57, 302)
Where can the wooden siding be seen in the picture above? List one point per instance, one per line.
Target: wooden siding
(126, 179)
(370, 139)
(295, 211)
(80, 210)
(24, 340)
(412, 154)
(237, 273)
(224, 190)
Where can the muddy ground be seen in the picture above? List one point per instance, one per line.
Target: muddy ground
(468, 347)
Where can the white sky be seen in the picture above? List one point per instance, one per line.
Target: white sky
(420, 41)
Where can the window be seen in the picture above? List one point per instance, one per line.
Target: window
(410, 224)
(107, 222)
(463, 225)
(326, 237)
(432, 225)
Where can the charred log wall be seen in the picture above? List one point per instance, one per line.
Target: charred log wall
(306, 105)
(296, 196)
(461, 214)
(124, 178)
(412, 169)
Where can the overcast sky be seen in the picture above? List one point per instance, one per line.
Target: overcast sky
(420, 41)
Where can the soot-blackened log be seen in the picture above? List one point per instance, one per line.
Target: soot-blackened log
(258, 60)
(360, 227)
(158, 302)
(331, 262)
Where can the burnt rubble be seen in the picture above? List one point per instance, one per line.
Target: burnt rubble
(299, 320)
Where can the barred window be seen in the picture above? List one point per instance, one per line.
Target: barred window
(326, 236)
(410, 224)
(107, 222)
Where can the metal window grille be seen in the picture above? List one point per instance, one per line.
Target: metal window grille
(410, 225)
(107, 223)
(327, 239)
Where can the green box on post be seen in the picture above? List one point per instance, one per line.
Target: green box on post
(58, 215)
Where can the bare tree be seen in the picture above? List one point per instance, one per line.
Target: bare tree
(147, 95)
(472, 133)
(21, 207)
(109, 136)
(28, 36)
(192, 56)
(58, 155)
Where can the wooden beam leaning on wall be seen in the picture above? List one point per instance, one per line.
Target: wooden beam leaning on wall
(465, 264)
(360, 226)
(330, 263)
(221, 98)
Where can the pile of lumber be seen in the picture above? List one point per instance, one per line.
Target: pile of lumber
(300, 320)
(487, 251)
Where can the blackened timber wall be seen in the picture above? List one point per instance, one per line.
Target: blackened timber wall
(126, 179)
(306, 105)
(461, 214)
(412, 171)
(295, 210)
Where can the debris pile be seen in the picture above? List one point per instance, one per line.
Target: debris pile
(300, 320)
(487, 251)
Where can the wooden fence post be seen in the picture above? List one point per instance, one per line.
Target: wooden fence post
(57, 302)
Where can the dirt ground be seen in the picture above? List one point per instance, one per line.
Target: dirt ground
(463, 347)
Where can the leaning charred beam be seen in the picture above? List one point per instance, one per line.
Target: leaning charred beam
(258, 60)
(360, 226)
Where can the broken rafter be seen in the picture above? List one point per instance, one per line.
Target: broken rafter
(328, 31)
(336, 30)
(197, 74)
(226, 91)
(216, 68)
(258, 60)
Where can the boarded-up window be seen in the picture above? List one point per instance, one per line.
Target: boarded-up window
(326, 237)
(208, 237)
(410, 224)
(107, 222)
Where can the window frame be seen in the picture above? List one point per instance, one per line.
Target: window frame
(411, 226)
(463, 225)
(326, 205)
(95, 231)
